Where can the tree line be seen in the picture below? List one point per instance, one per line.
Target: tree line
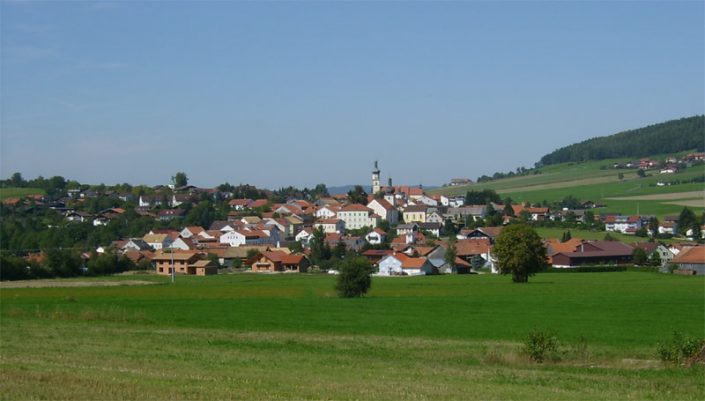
(668, 137)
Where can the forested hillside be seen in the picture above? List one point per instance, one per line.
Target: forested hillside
(668, 137)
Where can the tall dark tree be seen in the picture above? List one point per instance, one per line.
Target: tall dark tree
(687, 221)
(358, 195)
(639, 257)
(451, 251)
(180, 179)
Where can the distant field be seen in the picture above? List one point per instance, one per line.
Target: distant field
(588, 181)
(288, 337)
(671, 196)
(19, 192)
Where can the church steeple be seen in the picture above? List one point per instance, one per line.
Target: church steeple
(376, 186)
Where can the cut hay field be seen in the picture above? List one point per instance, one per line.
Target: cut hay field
(19, 192)
(598, 182)
(289, 337)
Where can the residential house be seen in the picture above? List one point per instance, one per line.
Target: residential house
(170, 214)
(384, 209)
(183, 244)
(191, 231)
(407, 228)
(425, 200)
(158, 241)
(623, 224)
(330, 225)
(415, 213)
(462, 213)
(327, 212)
(489, 233)
(400, 264)
(79, 217)
(669, 169)
(304, 236)
(691, 260)
(376, 236)
(239, 204)
(187, 262)
(277, 261)
(665, 254)
(136, 245)
(466, 249)
(433, 228)
(358, 216)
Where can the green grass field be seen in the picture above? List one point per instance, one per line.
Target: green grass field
(289, 337)
(19, 192)
(587, 181)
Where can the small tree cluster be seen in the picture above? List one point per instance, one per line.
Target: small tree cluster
(354, 279)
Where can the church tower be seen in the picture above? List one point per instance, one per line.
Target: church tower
(376, 186)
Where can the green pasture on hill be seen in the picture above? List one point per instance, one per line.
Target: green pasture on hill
(587, 181)
(14, 192)
(249, 336)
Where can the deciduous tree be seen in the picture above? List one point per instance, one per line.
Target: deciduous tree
(520, 252)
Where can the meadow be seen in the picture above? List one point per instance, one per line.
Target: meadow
(248, 336)
(598, 182)
(14, 192)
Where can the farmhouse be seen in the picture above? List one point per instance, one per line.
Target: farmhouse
(187, 262)
(595, 253)
(401, 264)
(278, 261)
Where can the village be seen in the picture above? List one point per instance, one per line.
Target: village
(402, 230)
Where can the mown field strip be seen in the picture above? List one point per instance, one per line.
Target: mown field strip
(669, 196)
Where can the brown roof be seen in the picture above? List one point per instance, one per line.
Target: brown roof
(470, 247)
(695, 255)
(355, 207)
(183, 255)
(382, 202)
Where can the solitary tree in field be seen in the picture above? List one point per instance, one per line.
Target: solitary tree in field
(354, 278)
(520, 252)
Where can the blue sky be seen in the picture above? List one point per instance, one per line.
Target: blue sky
(298, 93)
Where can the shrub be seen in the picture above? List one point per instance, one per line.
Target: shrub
(679, 349)
(354, 278)
(541, 345)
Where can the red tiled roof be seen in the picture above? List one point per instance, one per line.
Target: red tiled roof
(694, 255)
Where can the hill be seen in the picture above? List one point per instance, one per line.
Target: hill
(599, 182)
(667, 137)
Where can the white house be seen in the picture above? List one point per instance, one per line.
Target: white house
(358, 216)
(190, 231)
(330, 225)
(326, 212)
(455, 201)
(158, 241)
(385, 210)
(376, 236)
(304, 236)
(400, 264)
(426, 200)
(435, 217)
(181, 244)
(249, 237)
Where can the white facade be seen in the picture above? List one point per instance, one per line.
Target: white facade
(331, 226)
(355, 219)
(326, 212)
(374, 238)
(385, 210)
(389, 266)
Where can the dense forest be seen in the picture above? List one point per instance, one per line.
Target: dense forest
(668, 137)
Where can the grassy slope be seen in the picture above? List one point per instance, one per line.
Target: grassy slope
(13, 192)
(586, 181)
(288, 336)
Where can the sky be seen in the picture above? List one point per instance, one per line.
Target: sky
(299, 93)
